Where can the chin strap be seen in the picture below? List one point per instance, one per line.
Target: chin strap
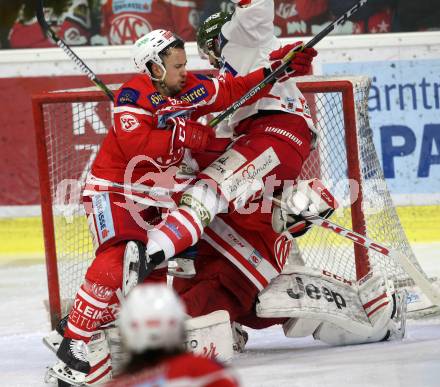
(162, 78)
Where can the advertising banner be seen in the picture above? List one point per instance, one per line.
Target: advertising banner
(404, 109)
(404, 106)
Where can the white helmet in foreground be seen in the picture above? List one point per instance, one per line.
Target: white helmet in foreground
(148, 48)
(152, 317)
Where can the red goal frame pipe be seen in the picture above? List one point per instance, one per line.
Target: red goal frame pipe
(47, 214)
(38, 102)
(362, 262)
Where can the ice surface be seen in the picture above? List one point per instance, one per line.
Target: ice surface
(270, 358)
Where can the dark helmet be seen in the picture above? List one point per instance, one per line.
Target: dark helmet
(208, 32)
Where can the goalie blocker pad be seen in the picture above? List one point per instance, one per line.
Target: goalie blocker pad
(210, 336)
(337, 311)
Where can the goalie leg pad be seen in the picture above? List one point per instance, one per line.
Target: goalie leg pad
(100, 359)
(210, 335)
(297, 327)
(385, 309)
(119, 355)
(306, 293)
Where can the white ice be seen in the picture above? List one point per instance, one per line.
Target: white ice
(270, 358)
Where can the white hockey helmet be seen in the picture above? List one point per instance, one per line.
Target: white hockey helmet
(148, 47)
(152, 317)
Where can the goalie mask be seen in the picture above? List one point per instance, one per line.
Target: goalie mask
(152, 317)
(208, 40)
(151, 48)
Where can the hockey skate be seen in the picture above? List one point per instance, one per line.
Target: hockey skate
(55, 337)
(73, 365)
(182, 266)
(239, 336)
(398, 318)
(132, 261)
(102, 348)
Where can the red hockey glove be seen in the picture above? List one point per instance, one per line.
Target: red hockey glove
(301, 63)
(190, 134)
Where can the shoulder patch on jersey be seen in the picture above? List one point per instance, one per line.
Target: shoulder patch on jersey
(127, 96)
(194, 95)
(202, 77)
(156, 99)
(229, 69)
(129, 122)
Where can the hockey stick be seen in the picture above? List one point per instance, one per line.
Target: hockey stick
(397, 256)
(286, 61)
(50, 33)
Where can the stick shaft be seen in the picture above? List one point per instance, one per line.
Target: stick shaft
(423, 283)
(50, 33)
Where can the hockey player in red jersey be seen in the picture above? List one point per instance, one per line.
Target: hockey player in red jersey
(152, 326)
(125, 21)
(73, 26)
(141, 151)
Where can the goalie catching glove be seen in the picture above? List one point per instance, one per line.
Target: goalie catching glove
(309, 196)
(300, 64)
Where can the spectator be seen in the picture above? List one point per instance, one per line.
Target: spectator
(153, 331)
(375, 17)
(421, 15)
(210, 7)
(71, 21)
(125, 21)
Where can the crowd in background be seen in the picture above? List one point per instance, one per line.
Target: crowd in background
(115, 22)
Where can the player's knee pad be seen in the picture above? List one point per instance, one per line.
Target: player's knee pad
(230, 181)
(210, 335)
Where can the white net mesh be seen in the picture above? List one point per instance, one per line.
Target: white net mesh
(378, 220)
(73, 131)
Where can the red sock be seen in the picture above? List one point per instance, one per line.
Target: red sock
(89, 310)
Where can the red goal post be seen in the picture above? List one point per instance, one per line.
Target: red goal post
(71, 124)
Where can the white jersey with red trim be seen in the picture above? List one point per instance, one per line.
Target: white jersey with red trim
(251, 245)
(246, 41)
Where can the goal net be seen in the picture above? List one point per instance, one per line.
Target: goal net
(70, 126)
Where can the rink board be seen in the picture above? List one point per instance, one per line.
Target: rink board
(22, 238)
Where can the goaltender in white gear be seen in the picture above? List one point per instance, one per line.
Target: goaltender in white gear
(333, 309)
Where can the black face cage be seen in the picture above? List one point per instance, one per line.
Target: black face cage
(212, 48)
